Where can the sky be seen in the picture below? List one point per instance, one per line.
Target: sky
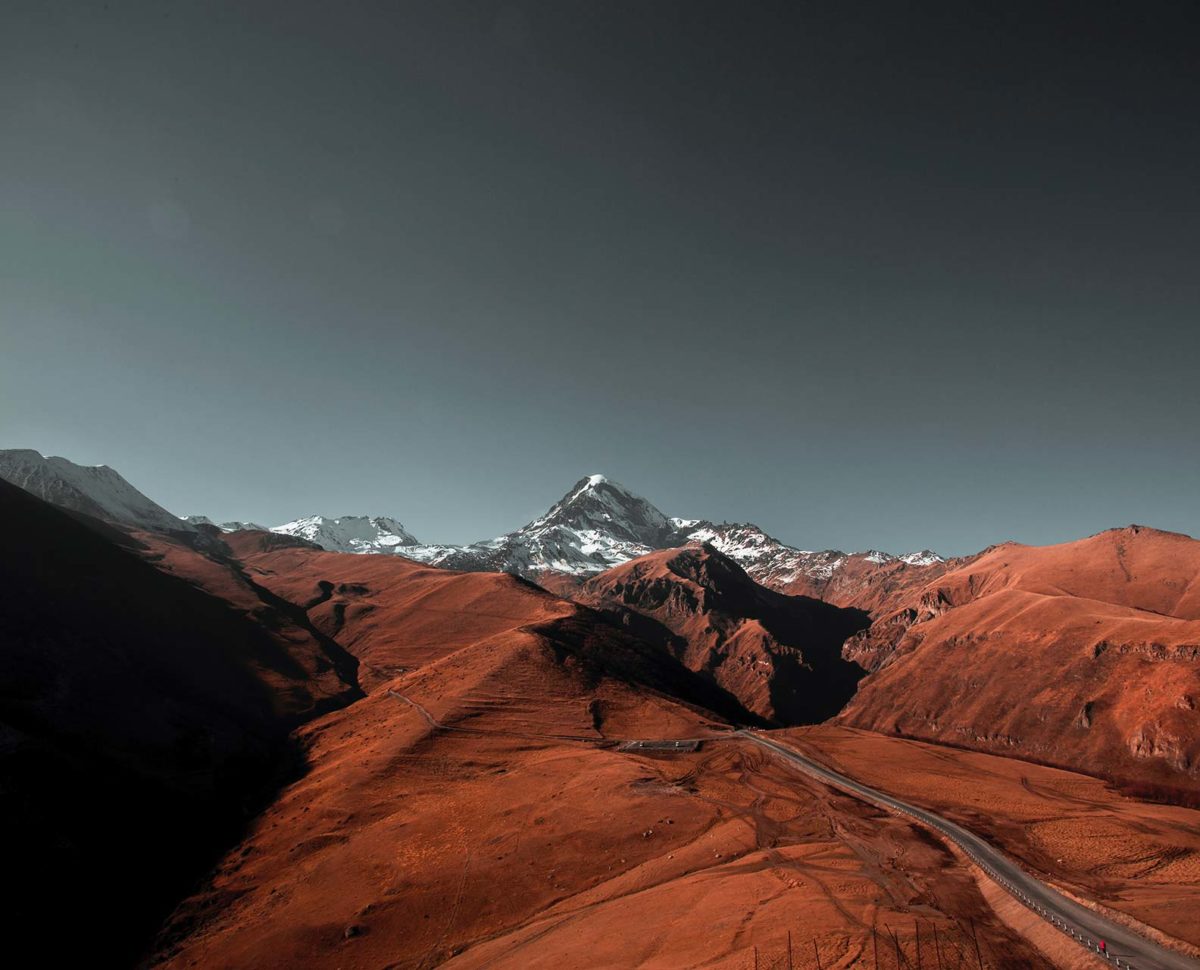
(868, 275)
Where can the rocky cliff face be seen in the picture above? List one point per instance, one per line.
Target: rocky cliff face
(780, 656)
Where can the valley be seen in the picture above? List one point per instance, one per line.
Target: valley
(436, 769)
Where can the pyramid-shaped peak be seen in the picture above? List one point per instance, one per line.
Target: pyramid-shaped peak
(598, 504)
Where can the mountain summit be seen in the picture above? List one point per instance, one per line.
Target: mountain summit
(95, 490)
(599, 505)
(350, 533)
(597, 524)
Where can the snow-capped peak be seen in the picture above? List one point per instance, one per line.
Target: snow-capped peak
(926, 557)
(350, 533)
(598, 504)
(587, 485)
(599, 523)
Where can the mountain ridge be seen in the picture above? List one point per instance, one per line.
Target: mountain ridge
(599, 524)
(96, 490)
(779, 655)
(596, 525)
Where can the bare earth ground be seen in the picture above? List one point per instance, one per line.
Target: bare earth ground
(497, 824)
(1133, 857)
(1082, 654)
(409, 846)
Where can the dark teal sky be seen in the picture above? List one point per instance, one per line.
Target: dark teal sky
(866, 274)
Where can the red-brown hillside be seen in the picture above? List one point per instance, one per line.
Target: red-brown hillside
(477, 812)
(394, 615)
(779, 655)
(140, 719)
(1085, 654)
(473, 810)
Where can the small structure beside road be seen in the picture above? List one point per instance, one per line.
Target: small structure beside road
(659, 747)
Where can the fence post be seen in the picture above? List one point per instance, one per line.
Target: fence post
(975, 937)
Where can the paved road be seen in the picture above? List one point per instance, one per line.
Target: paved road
(1125, 948)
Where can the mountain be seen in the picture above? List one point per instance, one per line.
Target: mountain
(599, 524)
(780, 656)
(478, 808)
(349, 533)
(140, 720)
(1084, 654)
(97, 491)
(596, 525)
(225, 526)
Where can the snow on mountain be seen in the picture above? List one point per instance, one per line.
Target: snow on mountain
(95, 490)
(597, 505)
(350, 533)
(926, 557)
(225, 526)
(769, 561)
(596, 525)
(599, 524)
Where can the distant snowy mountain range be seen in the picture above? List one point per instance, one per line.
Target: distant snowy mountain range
(350, 533)
(596, 525)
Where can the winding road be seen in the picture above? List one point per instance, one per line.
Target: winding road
(1125, 948)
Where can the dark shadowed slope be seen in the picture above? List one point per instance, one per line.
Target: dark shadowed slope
(142, 720)
(779, 655)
